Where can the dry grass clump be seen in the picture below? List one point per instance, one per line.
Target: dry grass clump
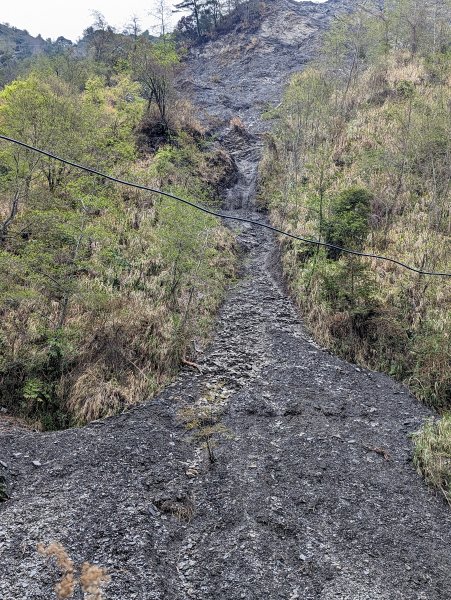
(254, 42)
(237, 124)
(182, 507)
(185, 118)
(66, 586)
(120, 362)
(92, 578)
(432, 455)
(402, 68)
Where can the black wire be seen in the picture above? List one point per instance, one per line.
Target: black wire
(220, 215)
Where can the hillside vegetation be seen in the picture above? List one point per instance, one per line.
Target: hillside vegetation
(103, 289)
(17, 45)
(359, 157)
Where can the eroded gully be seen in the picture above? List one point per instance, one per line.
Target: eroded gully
(313, 494)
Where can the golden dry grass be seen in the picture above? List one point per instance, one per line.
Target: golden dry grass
(66, 586)
(432, 454)
(237, 124)
(92, 579)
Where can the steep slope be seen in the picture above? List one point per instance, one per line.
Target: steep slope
(17, 45)
(312, 495)
(244, 71)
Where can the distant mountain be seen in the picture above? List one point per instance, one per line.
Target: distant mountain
(17, 45)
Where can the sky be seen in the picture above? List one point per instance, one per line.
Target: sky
(52, 18)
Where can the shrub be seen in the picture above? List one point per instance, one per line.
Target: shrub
(432, 454)
(348, 224)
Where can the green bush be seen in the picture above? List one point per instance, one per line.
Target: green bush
(348, 224)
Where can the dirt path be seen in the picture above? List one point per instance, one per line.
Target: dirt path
(313, 494)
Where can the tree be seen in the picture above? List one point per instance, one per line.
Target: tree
(133, 27)
(195, 7)
(348, 225)
(162, 13)
(105, 44)
(44, 115)
(154, 66)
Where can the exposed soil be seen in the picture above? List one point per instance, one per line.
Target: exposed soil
(313, 494)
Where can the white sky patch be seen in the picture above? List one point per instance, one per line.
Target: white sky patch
(52, 18)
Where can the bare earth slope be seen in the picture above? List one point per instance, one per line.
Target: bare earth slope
(313, 494)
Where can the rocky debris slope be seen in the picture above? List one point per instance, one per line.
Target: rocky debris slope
(244, 71)
(312, 494)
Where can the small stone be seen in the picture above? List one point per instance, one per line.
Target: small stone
(37, 463)
(302, 557)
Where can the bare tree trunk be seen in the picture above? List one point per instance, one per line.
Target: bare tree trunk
(10, 218)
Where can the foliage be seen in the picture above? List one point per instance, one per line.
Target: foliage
(433, 453)
(154, 66)
(348, 224)
(206, 17)
(102, 288)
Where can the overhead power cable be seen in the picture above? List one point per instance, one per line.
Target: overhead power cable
(218, 214)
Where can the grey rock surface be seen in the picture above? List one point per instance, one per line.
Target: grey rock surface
(243, 72)
(299, 503)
